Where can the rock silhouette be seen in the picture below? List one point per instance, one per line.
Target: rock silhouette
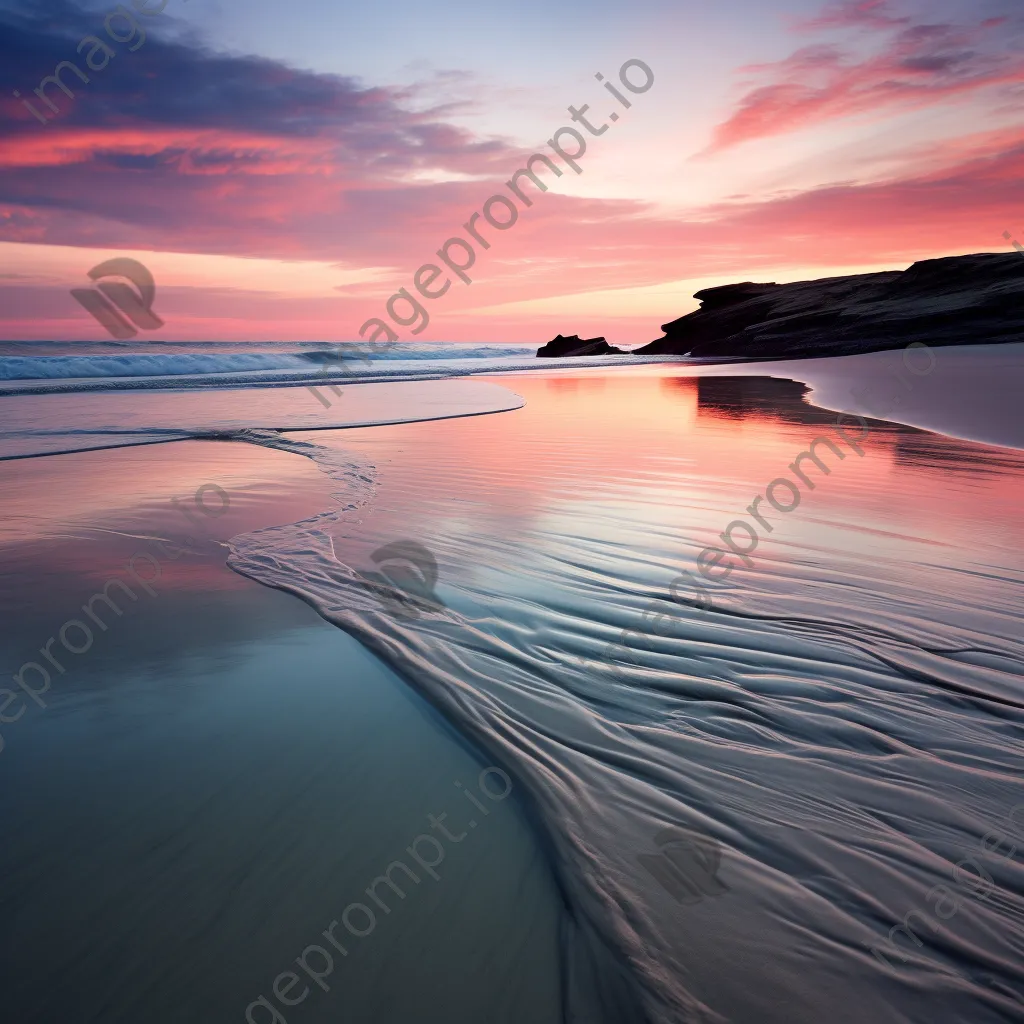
(957, 300)
(574, 345)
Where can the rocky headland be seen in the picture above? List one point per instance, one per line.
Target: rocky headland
(958, 300)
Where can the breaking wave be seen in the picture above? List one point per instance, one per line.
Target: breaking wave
(53, 361)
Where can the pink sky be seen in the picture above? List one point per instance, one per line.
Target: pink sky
(276, 203)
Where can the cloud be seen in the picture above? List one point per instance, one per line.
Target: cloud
(957, 202)
(913, 65)
(855, 13)
(174, 141)
(177, 149)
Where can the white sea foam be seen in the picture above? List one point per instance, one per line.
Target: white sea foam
(30, 368)
(58, 361)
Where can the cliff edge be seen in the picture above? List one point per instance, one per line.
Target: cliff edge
(958, 300)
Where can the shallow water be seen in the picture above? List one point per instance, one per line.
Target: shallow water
(56, 424)
(843, 726)
(221, 773)
(838, 730)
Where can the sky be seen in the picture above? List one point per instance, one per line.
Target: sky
(284, 170)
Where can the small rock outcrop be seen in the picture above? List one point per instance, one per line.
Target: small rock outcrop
(574, 345)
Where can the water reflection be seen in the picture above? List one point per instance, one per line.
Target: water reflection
(228, 766)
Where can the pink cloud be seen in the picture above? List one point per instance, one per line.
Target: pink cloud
(310, 167)
(917, 65)
(959, 200)
(856, 14)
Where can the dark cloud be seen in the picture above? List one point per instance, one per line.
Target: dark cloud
(171, 80)
(177, 145)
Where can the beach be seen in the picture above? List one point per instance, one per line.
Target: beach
(828, 747)
(511, 517)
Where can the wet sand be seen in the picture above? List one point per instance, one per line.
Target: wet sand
(222, 773)
(220, 776)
